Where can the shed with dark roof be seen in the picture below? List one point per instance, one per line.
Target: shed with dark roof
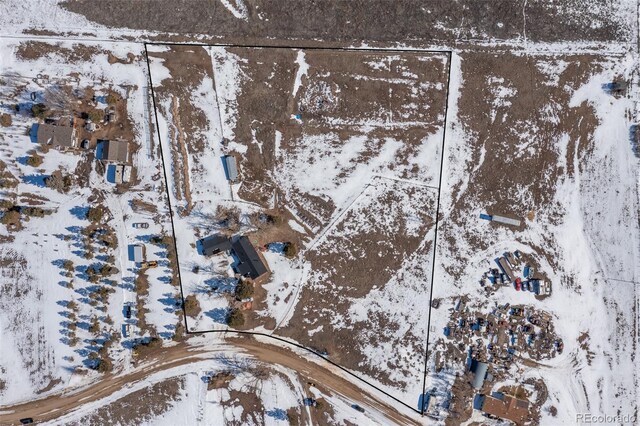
(215, 244)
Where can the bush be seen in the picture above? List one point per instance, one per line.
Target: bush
(35, 211)
(95, 325)
(5, 120)
(39, 110)
(179, 331)
(107, 270)
(192, 306)
(58, 182)
(104, 365)
(95, 214)
(290, 250)
(12, 217)
(111, 99)
(68, 265)
(95, 116)
(235, 318)
(244, 290)
(34, 160)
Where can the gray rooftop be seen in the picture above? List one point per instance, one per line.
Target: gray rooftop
(230, 167)
(479, 370)
(117, 151)
(51, 134)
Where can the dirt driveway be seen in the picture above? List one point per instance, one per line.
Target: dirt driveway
(55, 406)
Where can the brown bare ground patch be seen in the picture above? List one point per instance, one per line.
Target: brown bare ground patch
(139, 406)
(139, 205)
(373, 22)
(31, 50)
(361, 253)
(380, 95)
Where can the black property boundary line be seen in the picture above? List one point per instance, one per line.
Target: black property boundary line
(448, 54)
(435, 231)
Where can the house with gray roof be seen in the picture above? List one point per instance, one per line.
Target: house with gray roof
(60, 137)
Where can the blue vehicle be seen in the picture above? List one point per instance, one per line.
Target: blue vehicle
(357, 408)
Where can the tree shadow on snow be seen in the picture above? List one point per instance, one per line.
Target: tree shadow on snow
(218, 315)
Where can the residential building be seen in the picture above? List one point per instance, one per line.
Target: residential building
(479, 370)
(250, 263)
(505, 407)
(61, 137)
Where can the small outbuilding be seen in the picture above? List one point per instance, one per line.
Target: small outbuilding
(230, 167)
(479, 370)
(215, 244)
(504, 265)
(137, 253)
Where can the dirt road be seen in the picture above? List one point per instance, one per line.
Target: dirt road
(55, 406)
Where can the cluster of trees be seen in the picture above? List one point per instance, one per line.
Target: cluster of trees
(59, 182)
(11, 213)
(290, 250)
(95, 214)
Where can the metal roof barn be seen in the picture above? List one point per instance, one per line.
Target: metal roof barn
(480, 373)
(138, 256)
(505, 220)
(230, 167)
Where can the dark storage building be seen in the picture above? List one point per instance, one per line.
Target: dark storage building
(215, 244)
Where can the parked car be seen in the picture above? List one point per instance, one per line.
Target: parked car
(26, 421)
(127, 311)
(143, 225)
(357, 408)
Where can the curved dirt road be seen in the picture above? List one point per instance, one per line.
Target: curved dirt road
(55, 406)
